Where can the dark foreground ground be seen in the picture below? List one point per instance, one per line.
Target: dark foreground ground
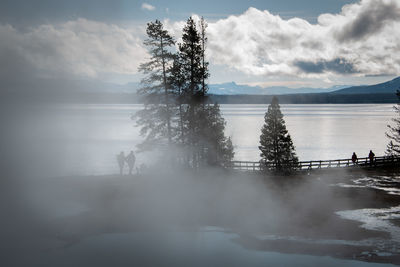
(282, 214)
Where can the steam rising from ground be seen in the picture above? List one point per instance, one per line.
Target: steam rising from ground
(52, 214)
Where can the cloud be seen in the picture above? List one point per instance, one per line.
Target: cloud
(337, 65)
(370, 18)
(363, 39)
(80, 48)
(148, 7)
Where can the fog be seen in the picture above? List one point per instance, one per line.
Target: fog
(162, 211)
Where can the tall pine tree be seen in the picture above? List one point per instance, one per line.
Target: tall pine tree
(175, 92)
(203, 124)
(277, 149)
(190, 53)
(177, 83)
(155, 118)
(204, 64)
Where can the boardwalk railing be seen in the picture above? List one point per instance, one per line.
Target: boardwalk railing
(318, 164)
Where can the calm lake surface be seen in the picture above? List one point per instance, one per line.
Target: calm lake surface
(88, 137)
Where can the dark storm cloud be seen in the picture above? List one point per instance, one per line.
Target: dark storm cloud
(338, 65)
(370, 20)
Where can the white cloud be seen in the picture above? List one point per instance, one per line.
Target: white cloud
(363, 39)
(80, 47)
(147, 6)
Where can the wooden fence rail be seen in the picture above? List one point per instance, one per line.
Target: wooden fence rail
(318, 164)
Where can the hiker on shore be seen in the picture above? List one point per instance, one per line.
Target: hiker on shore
(371, 157)
(354, 158)
(121, 162)
(130, 159)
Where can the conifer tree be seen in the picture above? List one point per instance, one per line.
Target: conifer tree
(155, 118)
(190, 54)
(204, 64)
(219, 148)
(393, 148)
(277, 149)
(176, 107)
(203, 122)
(177, 83)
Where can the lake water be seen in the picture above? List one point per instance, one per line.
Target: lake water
(88, 137)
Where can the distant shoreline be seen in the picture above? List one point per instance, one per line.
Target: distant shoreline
(131, 98)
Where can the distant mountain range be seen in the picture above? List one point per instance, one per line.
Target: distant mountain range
(235, 89)
(378, 93)
(381, 88)
(92, 86)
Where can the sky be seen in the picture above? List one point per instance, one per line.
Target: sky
(268, 43)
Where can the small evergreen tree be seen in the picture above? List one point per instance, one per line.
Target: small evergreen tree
(393, 148)
(218, 147)
(228, 152)
(277, 149)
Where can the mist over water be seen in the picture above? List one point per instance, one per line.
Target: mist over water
(89, 220)
(87, 137)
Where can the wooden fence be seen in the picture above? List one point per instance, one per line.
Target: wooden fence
(318, 164)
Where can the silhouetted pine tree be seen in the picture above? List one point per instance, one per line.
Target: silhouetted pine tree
(218, 148)
(393, 148)
(276, 144)
(177, 83)
(190, 54)
(203, 124)
(175, 93)
(155, 118)
(204, 64)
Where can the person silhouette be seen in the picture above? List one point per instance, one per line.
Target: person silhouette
(121, 162)
(354, 158)
(371, 157)
(130, 159)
